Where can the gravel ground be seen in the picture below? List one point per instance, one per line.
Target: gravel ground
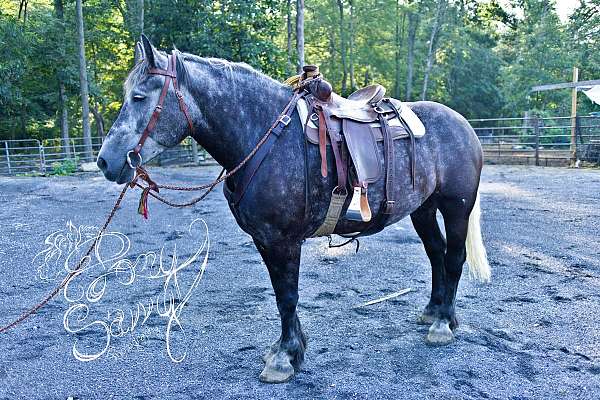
(533, 333)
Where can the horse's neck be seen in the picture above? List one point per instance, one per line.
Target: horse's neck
(237, 108)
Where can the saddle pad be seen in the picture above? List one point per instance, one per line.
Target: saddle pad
(410, 118)
(397, 130)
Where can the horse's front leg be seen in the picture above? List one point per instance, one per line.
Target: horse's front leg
(286, 354)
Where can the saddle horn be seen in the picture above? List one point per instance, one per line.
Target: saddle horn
(317, 86)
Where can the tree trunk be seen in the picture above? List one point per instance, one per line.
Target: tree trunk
(300, 33)
(439, 15)
(64, 119)
(83, 80)
(62, 95)
(133, 16)
(351, 49)
(413, 24)
(289, 66)
(332, 40)
(141, 16)
(343, 48)
(23, 9)
(99, 121)
(23, 123)
(398, 44)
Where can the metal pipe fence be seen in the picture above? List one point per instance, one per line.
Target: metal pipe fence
(551, 141)
(35, 157)
(536, 141)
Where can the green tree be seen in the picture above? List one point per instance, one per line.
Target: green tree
(535, 52)
(470, 48)
(584, 30)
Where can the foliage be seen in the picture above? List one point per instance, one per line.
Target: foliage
(28, 92)
(66, 167)
(486, 58)
(539, 32)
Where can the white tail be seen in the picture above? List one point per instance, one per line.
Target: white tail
(479, 268)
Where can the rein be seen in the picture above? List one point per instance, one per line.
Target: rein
(152, 188)
(134, 158)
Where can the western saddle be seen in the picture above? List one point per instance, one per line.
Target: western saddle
(352, 127)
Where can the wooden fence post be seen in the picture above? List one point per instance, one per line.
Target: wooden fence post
(7, 157)
(573, 146)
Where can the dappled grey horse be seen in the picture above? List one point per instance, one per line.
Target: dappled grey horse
(230, 106)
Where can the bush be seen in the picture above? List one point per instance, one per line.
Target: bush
(65, 167)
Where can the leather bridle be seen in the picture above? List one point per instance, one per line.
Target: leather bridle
(134, 158)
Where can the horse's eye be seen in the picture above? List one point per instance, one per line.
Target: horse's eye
(138, 97)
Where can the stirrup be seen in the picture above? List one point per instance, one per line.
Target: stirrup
(359, 209)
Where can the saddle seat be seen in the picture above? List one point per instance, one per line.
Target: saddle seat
(358, 105)
(358, 125)
(368, 95)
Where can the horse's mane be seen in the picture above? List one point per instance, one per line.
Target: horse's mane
(235, 69)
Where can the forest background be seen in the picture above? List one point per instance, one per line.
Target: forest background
(479, 57)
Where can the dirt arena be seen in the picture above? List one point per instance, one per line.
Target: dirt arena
(532, 333)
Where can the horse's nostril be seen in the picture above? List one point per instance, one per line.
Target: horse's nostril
(102, 164)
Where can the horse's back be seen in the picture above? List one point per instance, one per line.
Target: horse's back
(452, 145)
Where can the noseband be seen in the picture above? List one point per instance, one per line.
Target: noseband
(134, 158)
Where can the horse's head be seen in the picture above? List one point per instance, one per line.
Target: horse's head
(167, 124)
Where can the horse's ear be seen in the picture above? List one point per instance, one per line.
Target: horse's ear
(139, 53)
(150, 53)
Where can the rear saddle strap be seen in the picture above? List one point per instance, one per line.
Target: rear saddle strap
(388, 144)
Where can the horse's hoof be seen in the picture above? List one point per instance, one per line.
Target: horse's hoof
(271, 351)
(425, 319)
(440, 333)
(278, 369)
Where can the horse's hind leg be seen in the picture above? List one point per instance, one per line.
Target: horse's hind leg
(456, 221)
(425, 223)
(287, 354)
